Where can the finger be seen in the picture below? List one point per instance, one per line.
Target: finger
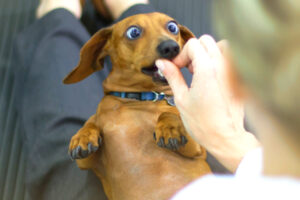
(214, 50)
(228, 73)
(210, 46)
(204, 72)
(223, 46)
(174, 77)
(190, 51)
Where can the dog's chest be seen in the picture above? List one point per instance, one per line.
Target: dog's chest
(129, 119)
(127, 129)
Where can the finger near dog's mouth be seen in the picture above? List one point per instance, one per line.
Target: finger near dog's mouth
(155, 73)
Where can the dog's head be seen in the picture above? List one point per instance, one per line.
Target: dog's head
(133, 45)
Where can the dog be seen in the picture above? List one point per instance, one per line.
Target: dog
(118, 143)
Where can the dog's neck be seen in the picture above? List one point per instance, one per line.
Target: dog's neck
(125, 80)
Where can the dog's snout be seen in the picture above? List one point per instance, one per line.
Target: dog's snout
(168, 49)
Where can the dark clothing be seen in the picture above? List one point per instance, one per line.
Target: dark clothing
(51, 112)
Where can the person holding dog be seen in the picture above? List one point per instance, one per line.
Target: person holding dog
(260, 68)
(50, 112)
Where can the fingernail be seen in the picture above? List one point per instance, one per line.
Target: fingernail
(160, 65)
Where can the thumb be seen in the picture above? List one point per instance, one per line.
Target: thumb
(174, 77)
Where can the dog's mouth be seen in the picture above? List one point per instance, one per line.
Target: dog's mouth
(155, 73)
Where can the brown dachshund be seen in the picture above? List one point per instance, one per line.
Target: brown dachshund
(117, 142)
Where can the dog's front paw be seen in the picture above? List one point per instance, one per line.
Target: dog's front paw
(170, 132)
(85, 142)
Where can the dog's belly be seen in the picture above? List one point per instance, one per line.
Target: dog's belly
(131, 165)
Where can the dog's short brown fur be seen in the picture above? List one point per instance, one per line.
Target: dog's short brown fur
(117, 142)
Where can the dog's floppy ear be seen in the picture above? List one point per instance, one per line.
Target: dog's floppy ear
(92, 56)
(185, 34)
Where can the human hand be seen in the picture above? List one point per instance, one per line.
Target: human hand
(46, 6)
(212, 115)
(117, 7)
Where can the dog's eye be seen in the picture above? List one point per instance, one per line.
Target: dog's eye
(173, 28)
(133, 32)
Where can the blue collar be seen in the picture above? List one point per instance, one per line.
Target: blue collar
(145, 96)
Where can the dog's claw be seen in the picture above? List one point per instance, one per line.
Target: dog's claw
(99, 141)
(161, 142)
(84, 153)
(168, 146)
(175, 143)
(183, 140)
(72, 154)
(154, 136)
(92, 148)
(78, 152)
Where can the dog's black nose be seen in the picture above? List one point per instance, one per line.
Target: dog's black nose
(168, 49)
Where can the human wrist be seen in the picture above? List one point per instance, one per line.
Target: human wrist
(118, 7)
(231, 150)
(47, 6)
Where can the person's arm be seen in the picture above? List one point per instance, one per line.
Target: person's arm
(210, 111)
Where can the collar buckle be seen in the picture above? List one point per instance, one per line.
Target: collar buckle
(157, 95)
